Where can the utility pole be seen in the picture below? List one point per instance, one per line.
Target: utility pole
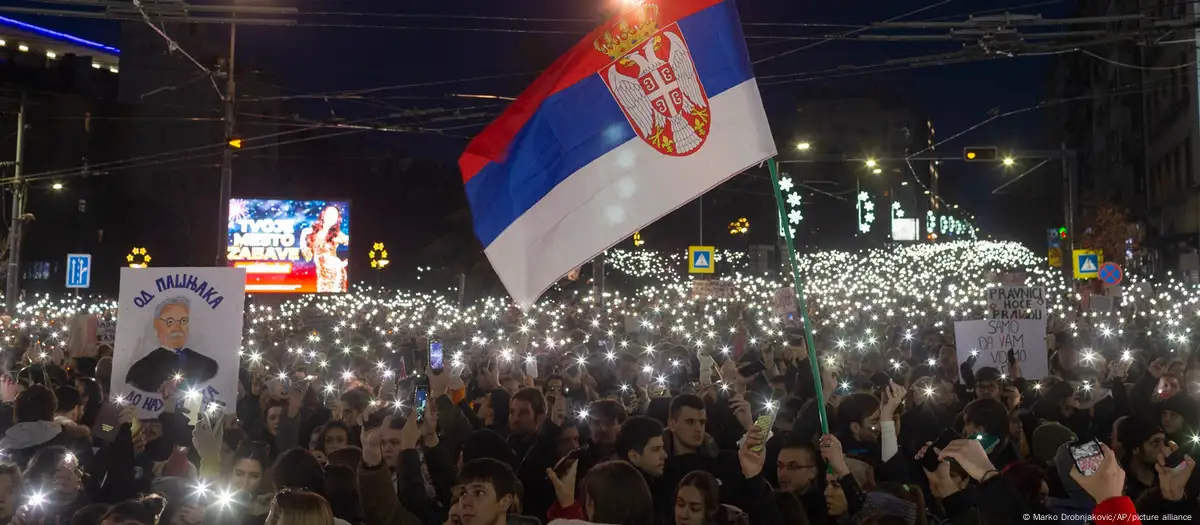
(12, 287)
(1071, 187)
(227, 155)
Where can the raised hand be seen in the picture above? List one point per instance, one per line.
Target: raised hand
(372, 441)
(1172, 480)
(895, 396)
(741, 411)
(831, 451)
(970, 456)
(750, 459)
(429, 425)
(410, 435)
(564, 487)
(1108, 482)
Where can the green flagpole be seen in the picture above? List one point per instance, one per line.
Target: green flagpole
(799, 287)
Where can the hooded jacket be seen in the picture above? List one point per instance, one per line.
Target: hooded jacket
(23, 440)
(1077, 504)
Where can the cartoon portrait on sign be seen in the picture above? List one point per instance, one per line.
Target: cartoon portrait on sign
(180, 324)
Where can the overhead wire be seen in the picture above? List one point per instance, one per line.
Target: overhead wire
(851, 32)
(172, 45)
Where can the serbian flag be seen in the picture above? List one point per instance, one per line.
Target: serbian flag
(649, 111)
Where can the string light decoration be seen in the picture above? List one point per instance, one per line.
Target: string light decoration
(866, 212)
(793, 202)
(138, 257)
(637, 239)
(739, 227)
(378, 256)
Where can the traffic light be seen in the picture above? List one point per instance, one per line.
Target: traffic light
(235, 143)
(981, 154)
(1062, 233)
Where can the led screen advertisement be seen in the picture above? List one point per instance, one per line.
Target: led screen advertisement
(290, 246)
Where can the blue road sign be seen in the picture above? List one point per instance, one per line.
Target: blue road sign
(1110, 273)
(1087, 264)
(700, 259)
(79, 270)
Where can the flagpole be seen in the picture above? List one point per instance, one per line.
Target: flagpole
(799, 287)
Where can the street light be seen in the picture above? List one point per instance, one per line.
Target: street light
(57, 186)
(804, 146)
(877, 171)
(1009, 161)
(871, 163)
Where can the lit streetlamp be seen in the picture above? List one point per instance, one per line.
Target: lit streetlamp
(804, 146)
(871, 163)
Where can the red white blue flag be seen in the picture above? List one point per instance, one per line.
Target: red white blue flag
(652, 109)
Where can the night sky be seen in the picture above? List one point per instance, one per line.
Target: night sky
(310, 59)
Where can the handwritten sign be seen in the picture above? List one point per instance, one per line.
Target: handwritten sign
(989, 340)
(178, 323)
(784, 302)
(712, 289)
(1016, 302)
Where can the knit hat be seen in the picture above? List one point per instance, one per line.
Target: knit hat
(1047, 437)
(889, 505)
(1064, 462)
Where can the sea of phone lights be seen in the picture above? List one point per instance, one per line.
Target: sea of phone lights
(854, 298)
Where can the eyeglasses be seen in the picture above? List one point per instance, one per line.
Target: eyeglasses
(170, 322)
(793, 466)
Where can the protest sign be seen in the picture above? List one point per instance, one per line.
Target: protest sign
(990, 339)
(1016, 302)
(178, 322)
(785, 302)
(106, 330)
(712, 289)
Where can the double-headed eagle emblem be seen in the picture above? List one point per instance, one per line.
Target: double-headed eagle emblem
(654, 79)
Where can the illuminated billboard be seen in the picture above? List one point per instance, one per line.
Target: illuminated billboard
(290, 246)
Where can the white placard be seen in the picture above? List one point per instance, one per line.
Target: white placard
(990, 339)
(785, 302)
(712, 289)
(106, 331)
(178, 321)
(1016, 302)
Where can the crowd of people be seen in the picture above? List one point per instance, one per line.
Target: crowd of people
(652, 408)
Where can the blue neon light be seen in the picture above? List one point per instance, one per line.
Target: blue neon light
(61, 36)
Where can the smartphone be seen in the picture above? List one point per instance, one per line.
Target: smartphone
(1176, 458)
(751, 368)
(564, 464)
(930, 460)
(436, 356)
(764, 423)
(214, 414)
(420, 397)
(1087, 455)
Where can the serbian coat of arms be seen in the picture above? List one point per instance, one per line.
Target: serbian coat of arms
(654, 79)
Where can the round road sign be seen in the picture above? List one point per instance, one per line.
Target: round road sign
(1110, 273)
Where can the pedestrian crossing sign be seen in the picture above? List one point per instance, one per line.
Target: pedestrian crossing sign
(1087, 263)
(700, 259)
